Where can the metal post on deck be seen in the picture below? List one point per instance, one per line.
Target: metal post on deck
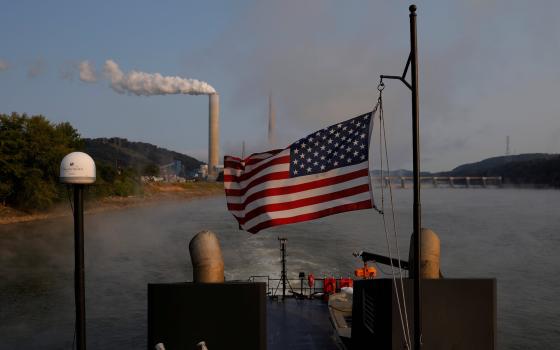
(301, 278)
(416, 171)
(78, 169)
(79, 274)
(413, 86)
(283, 273)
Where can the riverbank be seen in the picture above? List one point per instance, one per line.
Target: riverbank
(152, 193)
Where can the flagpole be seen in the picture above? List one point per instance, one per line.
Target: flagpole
(416, 175)
(412, 62)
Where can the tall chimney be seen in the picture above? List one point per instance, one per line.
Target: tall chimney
(271, 122)
(213, 135)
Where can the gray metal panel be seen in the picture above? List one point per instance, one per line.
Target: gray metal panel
(457, 314)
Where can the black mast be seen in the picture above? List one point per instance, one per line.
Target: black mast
(284, 276)
(79, 274)
(413, 86)
(416, 170)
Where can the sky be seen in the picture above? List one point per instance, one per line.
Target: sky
(488, 69)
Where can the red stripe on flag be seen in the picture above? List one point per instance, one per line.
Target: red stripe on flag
(247, 175)
(236, 162)
(233, 164)
(232, 158)
(311, 216)
(277, 191)
(303, 202)
(281, 175)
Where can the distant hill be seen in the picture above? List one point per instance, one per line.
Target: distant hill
(540, 169)
(137, 155)
(534, 169)
(494, 163)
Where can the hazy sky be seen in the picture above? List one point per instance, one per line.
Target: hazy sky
(487, 70)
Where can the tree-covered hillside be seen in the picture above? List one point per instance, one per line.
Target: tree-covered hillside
(539, 169)
(137, 155)
(31, 148)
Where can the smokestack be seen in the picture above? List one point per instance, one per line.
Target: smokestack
(271, 122)
(213, 135)
(149, 84)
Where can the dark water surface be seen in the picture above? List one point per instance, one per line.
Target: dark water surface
(512, 235)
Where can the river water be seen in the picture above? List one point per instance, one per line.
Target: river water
(510, 234)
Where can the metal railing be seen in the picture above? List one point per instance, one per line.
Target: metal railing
(295, 286)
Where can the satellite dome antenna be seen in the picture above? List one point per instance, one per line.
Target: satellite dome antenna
(78, 169)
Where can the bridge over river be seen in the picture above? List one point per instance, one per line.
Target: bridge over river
(436, 181)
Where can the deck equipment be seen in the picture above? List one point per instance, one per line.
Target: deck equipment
(78, 169)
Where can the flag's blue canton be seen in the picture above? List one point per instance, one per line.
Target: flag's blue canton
(336, 146)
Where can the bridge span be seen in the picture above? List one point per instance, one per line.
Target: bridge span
(436, 181)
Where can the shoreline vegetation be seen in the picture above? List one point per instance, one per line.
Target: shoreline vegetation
(31, 148)
(152, 193)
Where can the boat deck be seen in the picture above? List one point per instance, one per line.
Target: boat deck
(299, 324)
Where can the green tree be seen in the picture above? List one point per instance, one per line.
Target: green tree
(31, 149)
(151, 170)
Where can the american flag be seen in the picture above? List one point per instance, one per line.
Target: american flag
(321, 174)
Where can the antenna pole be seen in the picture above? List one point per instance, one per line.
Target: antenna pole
(79, 275)
(284, 274)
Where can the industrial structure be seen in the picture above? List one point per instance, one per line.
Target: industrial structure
(271, 123)
(213, 135)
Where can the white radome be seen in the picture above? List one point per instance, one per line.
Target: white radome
(77, 168)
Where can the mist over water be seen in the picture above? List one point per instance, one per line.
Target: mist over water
(509, 234)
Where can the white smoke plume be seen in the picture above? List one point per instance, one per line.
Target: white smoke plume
(87, 72)
(147, 84)
(3, 65)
